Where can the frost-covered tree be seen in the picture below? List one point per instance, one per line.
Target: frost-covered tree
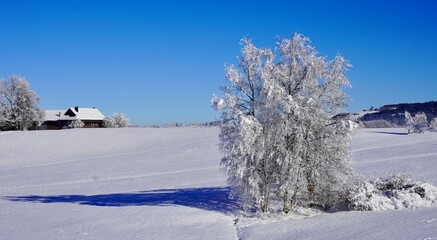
(18, 104)
(116, 120)
(305, 93)
(416, 124)
(76, 124)
(277, 134)
(241, 136)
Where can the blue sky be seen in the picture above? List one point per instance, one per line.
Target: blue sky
(160, 61)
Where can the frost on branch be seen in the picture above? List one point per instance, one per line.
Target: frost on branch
(116, 120)
(394, 192)
(434, 124)
(76, 124)
(280, 144)
(416, 124)
(18, 104)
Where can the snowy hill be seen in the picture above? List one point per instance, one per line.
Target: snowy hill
(393, 114)
(148, 183)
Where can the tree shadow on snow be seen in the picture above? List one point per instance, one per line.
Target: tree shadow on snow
(392, 133)
(211, 199)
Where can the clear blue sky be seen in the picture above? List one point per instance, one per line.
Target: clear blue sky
(160, 61)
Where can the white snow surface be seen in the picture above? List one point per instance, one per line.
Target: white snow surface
(147, 183)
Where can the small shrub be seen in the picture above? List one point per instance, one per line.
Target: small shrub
(393, 192)
(109, 122)
(76, 124)
(116, 120)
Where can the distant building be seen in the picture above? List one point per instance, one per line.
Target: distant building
(60, 119)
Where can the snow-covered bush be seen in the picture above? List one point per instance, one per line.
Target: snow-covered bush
(277, 134)
(76, 124)
(416, 124)
(18, 104)
(394, 192)
(116, 120)
(109, 122)
(434, 124)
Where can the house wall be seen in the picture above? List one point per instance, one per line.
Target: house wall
(54, 125)
(92, 123)
(62, 124)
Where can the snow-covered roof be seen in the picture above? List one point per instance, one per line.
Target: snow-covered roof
(55, 115)
(82, 114)
(87, 113)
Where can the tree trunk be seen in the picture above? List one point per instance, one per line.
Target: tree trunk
(263, 206)
(286, 208)
(311, 186)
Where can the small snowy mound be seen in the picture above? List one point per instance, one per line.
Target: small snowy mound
(394, 192)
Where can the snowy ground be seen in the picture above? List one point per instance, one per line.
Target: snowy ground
(166, 184)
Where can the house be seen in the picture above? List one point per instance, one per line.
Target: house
(60, 119)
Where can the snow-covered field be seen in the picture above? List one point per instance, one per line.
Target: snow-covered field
(166, 184)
